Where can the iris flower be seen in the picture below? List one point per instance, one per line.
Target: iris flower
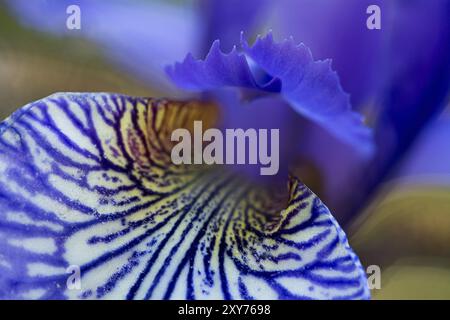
(87, 179)
(397, 76)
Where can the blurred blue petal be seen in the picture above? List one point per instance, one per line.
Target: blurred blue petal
(309, 87)
(337, 30)
(417, 72)
(417, 83)
(265, 112)
(428, 160)
(225, 19)
(399, 76)
(369, 62)
(142, 36)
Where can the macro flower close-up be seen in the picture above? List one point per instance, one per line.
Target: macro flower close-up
(224, 150)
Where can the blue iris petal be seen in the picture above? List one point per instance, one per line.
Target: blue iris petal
(218, 70)
(309, 86)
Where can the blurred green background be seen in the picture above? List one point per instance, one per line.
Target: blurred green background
(34, 65)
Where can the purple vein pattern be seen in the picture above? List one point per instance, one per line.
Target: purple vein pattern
(86, 180)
